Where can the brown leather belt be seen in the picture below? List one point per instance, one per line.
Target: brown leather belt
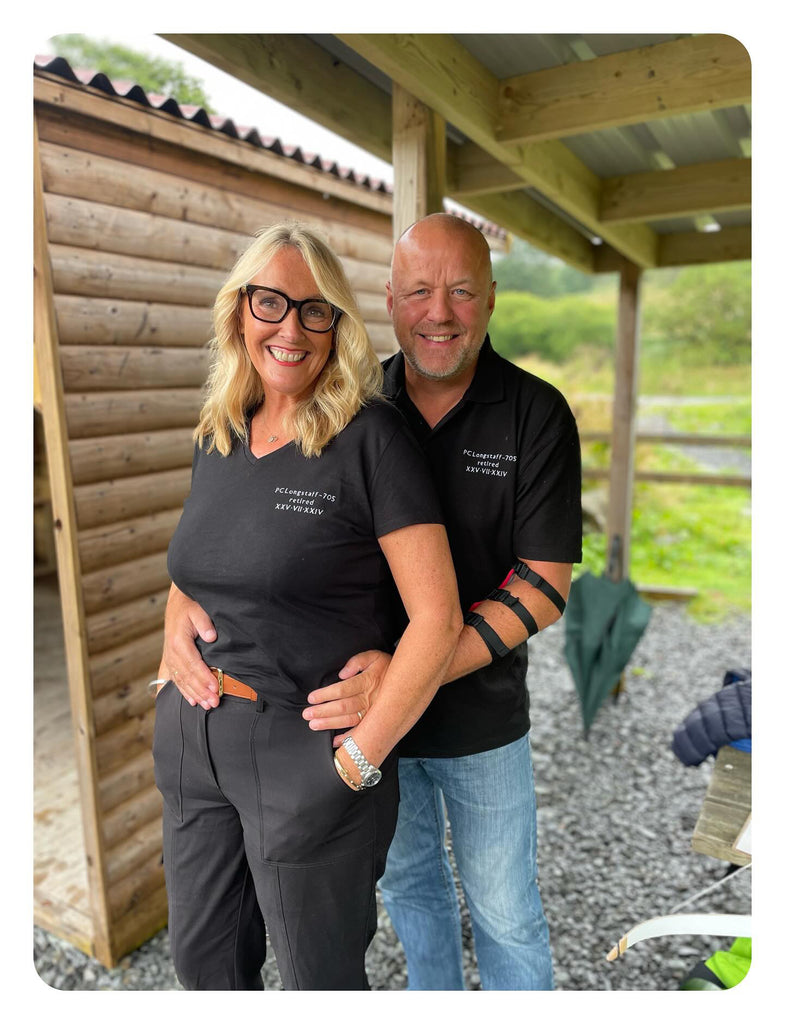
(227, 684)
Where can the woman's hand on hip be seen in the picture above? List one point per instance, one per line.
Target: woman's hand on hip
(186, 620)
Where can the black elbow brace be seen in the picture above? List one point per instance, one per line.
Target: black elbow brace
(522, 571)
(490, 637)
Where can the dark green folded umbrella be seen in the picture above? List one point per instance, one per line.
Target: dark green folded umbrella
(604, 620)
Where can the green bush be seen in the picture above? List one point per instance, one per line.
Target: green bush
(703, 315)
(553, 328)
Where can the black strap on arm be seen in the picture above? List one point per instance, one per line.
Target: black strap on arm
(515, 605)
(528, 575)
(490, 637)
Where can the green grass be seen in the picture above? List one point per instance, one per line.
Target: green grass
(682, 535)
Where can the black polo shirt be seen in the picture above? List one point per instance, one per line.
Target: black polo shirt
(506, 464)
(282, 552)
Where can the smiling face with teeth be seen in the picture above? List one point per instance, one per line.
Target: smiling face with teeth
(287, 357)
(441, 296)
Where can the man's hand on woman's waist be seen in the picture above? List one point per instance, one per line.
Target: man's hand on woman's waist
(342, 705)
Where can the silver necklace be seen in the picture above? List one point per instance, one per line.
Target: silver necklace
(271, 438)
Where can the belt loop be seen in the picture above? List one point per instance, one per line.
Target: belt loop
(259, 704)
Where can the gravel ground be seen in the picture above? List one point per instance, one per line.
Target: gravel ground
(616, 813)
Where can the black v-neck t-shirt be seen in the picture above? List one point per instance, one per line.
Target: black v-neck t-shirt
(282, 552)
(506, 465)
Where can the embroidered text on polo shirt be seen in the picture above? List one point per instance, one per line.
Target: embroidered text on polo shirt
(489, 463)
(305, 502)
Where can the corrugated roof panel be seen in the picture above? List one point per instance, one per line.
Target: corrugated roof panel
(509, 55)
(685, 139)
(198, 115)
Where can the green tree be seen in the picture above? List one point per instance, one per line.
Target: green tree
(154, 74)
(552, 328)
(704, 315)
(526, 269)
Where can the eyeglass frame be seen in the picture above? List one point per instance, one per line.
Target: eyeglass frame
(291, 304)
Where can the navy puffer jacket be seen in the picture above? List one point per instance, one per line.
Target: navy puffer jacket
(722, 718)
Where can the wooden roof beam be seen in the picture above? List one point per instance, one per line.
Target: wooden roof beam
(329, 93)
(685, 248)
(681, 192)
(304, 76)
(471, 172)
(688, 247)
(445, 76)
(522, 216)
(702, 72)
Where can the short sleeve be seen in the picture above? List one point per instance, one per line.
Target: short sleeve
(402, 489)
(548, 521)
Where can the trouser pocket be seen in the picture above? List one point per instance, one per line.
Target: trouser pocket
(307, 814)
(168, 748)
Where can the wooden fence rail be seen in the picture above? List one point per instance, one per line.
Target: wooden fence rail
(702, 440)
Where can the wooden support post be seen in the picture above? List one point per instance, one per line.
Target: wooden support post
(47, 356)
(622, 470)
(419, 160)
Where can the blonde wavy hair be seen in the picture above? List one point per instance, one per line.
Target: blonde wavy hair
(351, 376)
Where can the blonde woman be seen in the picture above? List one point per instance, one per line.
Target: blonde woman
(311, 532)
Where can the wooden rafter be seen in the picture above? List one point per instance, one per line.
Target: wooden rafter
(681, 192)
(329, 93)
(471, 172)
(704, 72)
(502, 177)
(444, 75)
(688, 247)
(295, 71)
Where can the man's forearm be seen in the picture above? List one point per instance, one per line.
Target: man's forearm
(472, 652)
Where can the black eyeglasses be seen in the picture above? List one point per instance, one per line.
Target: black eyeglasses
(272, 307)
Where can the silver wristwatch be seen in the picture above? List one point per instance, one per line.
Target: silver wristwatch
(369, 775)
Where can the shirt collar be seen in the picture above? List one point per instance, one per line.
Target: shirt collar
(487, 384)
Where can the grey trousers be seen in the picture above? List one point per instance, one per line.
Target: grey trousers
(261, 835)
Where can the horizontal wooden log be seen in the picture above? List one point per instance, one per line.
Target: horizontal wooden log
(82, 272)
(113, 500)
(122, 704)
(108, 458)
(126, 663)
(364, 276)
(644, 437)
(243, 182)
(123, 821)
(702, 479)
(95, 414)
(124, 743)
(373, 308)
(87, 224)
(114, 368)
(125, 622)
(383, 339)
(131, 853)
(85, 320)
(146, 919)
(129, 892)
(105, 546)
(128, 778)
(117, 584)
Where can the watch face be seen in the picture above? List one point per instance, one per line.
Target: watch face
(372, 778)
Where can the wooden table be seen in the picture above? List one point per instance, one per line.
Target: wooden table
(726, 807)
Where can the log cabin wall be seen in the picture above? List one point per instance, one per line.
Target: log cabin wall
(141, 214)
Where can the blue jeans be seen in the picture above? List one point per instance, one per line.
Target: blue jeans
(490, 804)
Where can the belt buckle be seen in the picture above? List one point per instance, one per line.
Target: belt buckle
(220, 677)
